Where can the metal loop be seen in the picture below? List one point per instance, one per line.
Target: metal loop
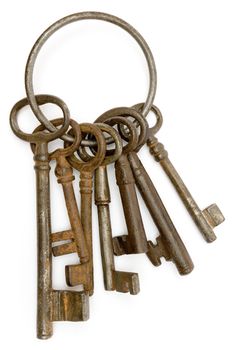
(70, 19)
(129, 112)
(67, 151)
(40, 136)
(159, 117)
(95, 162)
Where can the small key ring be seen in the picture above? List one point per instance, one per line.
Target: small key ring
(87, 128)
(159, 117)
(41, 136)
(132, 142)
(69, 150)
(109, 158)
(129, 112)
(73, 18)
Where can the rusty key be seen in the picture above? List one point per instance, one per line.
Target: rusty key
(52, 305)
(135, 241)
(120, 281)
(205, 219)
(74, 238)
(82, 274)
(169, 244)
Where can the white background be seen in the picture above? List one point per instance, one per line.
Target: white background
(95, 66)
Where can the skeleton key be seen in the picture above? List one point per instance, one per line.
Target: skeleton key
(205, 220)
(113, 280)
(52, 305)
(82, 274)
(169, 244)
(135, 242)
(64, 173)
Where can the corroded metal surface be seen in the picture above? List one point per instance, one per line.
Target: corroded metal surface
(120, 281)
(74, 18)
(51, 305)
(82, 274)
(135, 241)
(205, 219)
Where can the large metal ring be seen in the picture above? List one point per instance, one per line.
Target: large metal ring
(70, 19)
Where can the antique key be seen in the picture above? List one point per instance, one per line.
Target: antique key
(120, 281)
(169, 244)
(135, 241)
(205, 220)
(64, 173)
(52, 305)
(82, 274)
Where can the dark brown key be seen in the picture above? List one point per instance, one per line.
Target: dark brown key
(205, 219)
(169, 244)
(120, 281)
(74, 238)
(52, 305)
(82, 274)
(135, 241)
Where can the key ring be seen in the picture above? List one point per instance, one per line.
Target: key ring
(40, 136)
(70, 19)
(109, 158)
(69, 150)
(128, 112)
(91, 165)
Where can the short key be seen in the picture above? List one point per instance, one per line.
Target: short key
(52, 305)
(135, 241)
(205, 220)
(82, 274)
(120, 281)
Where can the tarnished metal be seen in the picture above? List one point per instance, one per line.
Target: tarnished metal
(70, 19)
(82, 274)
(74, 238)
(120, 281)
(205, 220)
(51, 305)
(135, 241)
(169, 244)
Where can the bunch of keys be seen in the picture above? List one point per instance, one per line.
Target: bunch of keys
(86, 149)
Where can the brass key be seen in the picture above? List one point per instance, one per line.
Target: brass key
(135, 241)
(82, 274)
(205, 219)
(120, 281)
(52, 305)
(64, 173)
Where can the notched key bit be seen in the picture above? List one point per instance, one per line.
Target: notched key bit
(70, 306)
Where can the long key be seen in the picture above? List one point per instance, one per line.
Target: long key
(119, 281)
(205, 219)
(169, 244)
(74, 238)
(52, 305)
(135, 241)
(82, 274)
